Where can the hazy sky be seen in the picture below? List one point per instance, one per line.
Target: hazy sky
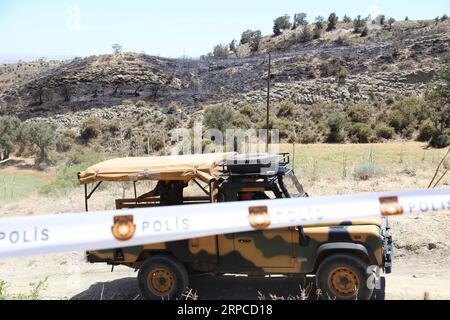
(170, 28)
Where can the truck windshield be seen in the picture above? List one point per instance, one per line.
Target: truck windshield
(294, 187)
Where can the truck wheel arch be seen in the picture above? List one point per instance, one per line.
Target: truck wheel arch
(357, 249)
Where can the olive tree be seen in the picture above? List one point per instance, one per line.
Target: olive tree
(253, 38)
(42, 135)
(246, 36)
(300, 20)
(280, 24)
(9, 132)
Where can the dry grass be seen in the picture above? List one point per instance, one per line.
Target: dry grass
(34, 294)
(305, 293)
(18, 186)
(323, 170)
(327, 169)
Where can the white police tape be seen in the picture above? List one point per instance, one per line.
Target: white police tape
(125, 228)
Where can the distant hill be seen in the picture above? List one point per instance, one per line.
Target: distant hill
(12, 59)
(341, 67)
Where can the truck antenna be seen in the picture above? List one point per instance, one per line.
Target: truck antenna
(268, 103)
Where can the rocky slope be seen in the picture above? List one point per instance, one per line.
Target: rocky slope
(398, 62)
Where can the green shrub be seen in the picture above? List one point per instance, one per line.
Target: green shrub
(284, 126)
(359, 24)
(358, 113)
(336, 124)
(361, 133)
(34, 294)
(65, 141)
(320, 110)
(365, 32)
(220, 51)
(111, 126)
(241, 122)
(153, 143)
(219, 117)
(367, 171)
(408, 131)
(406, 113)
(286, 109)
(172, 122)
(307, 136)
(91, 129)
(342, 74)
(305, 34)
(383, 131)
(395, 120)
(67, 178)
(247, 110)
(440, 139)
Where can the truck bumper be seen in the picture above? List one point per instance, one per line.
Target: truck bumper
(388, 247)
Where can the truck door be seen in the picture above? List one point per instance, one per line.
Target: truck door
(262, 249)
(269, 248)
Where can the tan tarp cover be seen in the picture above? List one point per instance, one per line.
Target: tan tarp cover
(185, 168)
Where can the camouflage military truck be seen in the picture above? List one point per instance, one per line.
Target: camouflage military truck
(341, 255)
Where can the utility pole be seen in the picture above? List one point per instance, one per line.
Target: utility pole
(268, 105)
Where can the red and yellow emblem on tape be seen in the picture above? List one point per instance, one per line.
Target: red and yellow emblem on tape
(391, 207)
(259, 217)
(123, 228)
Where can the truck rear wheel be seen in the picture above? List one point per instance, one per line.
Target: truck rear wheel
(343, 277)
(162, 277)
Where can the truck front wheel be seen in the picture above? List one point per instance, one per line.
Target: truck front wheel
(343, 277)
(162, 277)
